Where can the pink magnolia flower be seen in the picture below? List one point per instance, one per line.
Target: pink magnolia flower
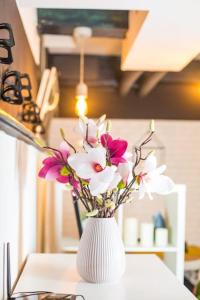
(92, 166)
(116, 148)
(55, 167)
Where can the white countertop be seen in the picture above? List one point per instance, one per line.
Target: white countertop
(146, 278)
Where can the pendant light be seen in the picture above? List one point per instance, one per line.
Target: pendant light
(80, 35)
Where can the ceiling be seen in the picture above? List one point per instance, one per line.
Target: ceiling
(109, 28)
(137, 43)
(162, 35)
(104, 23)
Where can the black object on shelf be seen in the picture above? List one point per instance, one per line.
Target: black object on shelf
(7, 44)
(16, 87)
(31, 113)
(39, 128)
(30, 110)
(11, 88)
(26, 87)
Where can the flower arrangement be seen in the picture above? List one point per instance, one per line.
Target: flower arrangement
(103, 174)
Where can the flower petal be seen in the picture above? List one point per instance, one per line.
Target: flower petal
(116, 179)
(106, 140)
(62, 179)
(117, 160)
(92, 129)
(85, 171)
(50, 161)
(161, 169)
(101, 124)
(100, 181)
(128, 155)
(124, 170)
(53, 172)
(76, 159)
(141, 191)
(150, 164)
(106, 175)
(163, 185)
(43, 172)
(87, 124)
(64, 149)
(82, 125)
(118, 147)
(97, 155)
(80, 162)
(97, 187)
(145, 187)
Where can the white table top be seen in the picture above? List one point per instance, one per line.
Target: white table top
(146, 278)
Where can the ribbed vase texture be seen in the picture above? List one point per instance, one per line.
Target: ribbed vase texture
(101, 256)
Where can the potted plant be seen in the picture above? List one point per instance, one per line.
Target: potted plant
(103, 176)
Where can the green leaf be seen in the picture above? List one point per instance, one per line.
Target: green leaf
(64, 171)
(121, 185)
(92, 213)
(84, 182)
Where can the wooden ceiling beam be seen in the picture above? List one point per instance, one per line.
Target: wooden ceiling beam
(150, 82)
(127, 81)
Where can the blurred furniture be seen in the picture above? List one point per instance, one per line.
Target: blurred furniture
(173, 253)
(48, 93)
(192, 267)
(192, 253)
(145, 278)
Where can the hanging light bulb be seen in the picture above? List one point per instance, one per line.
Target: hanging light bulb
(81, 99)
(81, 107)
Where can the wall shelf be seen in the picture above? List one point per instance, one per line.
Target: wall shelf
(173, 255)
(14, 128)
(72, 246)
(153, 249)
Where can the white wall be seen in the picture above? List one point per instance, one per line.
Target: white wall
(182, 156)
(18, 163)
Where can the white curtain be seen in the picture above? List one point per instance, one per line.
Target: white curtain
(18, 201)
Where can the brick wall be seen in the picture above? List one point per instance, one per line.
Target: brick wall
(181, 140)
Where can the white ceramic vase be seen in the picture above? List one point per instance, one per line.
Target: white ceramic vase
(101, 255)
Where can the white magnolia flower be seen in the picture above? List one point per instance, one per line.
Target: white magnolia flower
(151, 179)
(116, 179)
(92, 166)
(125, 171)
(94, 129)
